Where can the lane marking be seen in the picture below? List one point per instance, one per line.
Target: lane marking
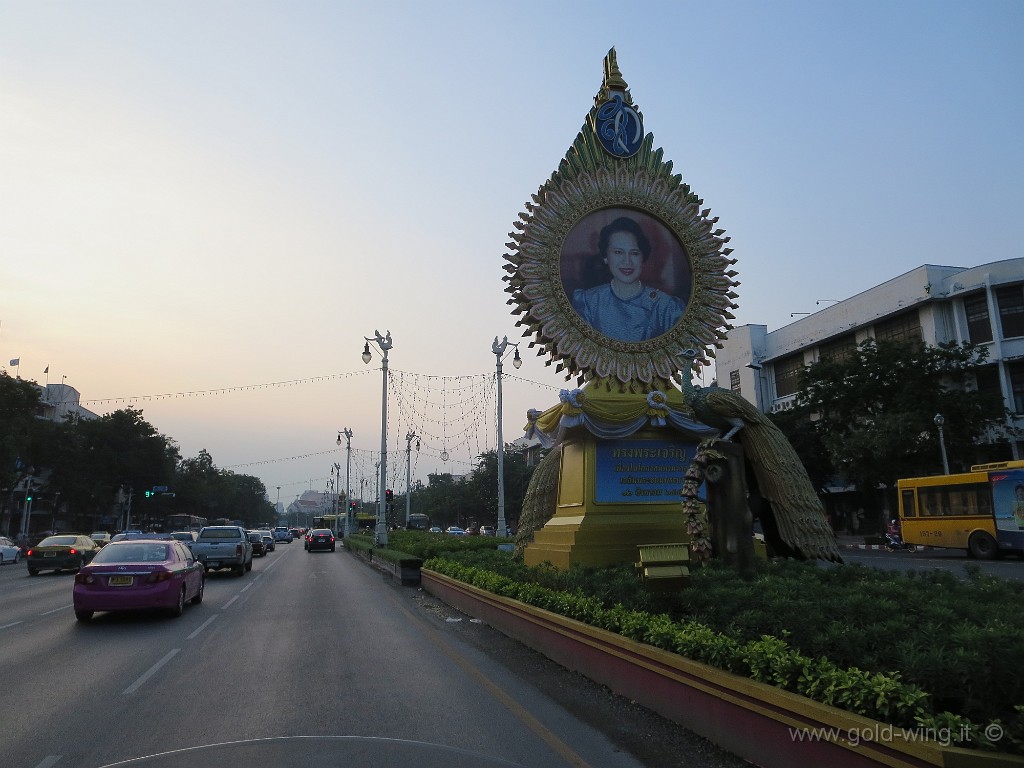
(55, 610)
(150, 672)
(13, 623)
(522, 714)
(49, 760)
(202, 626)
(229, 602)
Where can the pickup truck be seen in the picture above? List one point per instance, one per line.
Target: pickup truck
(223, 546)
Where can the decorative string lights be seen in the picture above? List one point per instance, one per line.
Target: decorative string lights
(453, 416)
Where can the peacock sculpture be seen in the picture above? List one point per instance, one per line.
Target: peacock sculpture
(782, 496)
(540, 499)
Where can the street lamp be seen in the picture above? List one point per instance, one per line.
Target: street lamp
(498, 348)
(940, 420)
(408, 477)
(337, 500)
(384, 344)
(348, 469)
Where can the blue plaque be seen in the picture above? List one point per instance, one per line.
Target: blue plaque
(642, 471)
(619, 127)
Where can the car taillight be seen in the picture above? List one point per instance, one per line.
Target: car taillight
(239, 549)
(158, 576)
(28, 553)
(72, 551)
(84, 578)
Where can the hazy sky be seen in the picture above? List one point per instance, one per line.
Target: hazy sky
(215, 196)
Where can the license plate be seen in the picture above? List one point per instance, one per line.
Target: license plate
(120, 581)
(49, 554)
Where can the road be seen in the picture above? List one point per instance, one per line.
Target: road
(953, 560)
(310, 659)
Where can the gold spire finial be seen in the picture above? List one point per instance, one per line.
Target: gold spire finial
(612, 76)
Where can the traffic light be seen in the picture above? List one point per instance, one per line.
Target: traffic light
(389, 499)
(149, 494)
(351, 506)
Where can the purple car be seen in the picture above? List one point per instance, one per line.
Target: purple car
(139, 574)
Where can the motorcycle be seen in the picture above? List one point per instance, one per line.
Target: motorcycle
(894, 543)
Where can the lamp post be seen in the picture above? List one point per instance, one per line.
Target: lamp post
(348, 470)
(498, 348)
(940, 420)
(384, 344)
(408, 476)
(337, 499)
(277, 507)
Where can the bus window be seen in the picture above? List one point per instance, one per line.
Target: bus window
(909, 508)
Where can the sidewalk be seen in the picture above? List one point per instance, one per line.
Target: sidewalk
(854, 541)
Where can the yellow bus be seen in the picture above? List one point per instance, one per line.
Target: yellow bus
(981, 511)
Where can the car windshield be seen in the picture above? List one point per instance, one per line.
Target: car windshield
(133, 552)
(59, 541)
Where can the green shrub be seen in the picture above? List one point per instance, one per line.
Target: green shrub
(837, 635)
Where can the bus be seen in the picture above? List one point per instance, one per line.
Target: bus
(184, 523)
(361, 521)
(417, 522)
(981, 511)
(329, 521)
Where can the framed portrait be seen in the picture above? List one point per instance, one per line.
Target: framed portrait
(626, 274)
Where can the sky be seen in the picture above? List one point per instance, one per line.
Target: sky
(205, 207)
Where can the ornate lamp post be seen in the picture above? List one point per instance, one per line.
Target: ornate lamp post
(384, 344)
(940, 420)
(498, 348)
(348, 471)
(409, 437)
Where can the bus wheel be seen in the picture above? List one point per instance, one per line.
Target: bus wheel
(982, 546)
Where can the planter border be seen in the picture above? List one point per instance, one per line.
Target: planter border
(751, 719)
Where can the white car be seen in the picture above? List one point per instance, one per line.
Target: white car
(9, 551)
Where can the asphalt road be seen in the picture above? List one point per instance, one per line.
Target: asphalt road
(310, 659)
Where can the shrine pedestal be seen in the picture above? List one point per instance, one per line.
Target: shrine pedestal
(614, 495)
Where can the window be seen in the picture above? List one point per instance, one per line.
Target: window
(955, 500)
(734, 381)
(979, 329)
(909, 510)
(988, 380)
(838, 350)
(1017, 385)
(905, 327)
(1011, 310)
(787, 373)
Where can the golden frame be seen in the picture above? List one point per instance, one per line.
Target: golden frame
(588, 180)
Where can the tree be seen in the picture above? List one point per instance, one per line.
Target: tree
(116, 453)
(874, 410)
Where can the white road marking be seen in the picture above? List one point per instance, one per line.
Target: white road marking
(150, 672)
(202, 626)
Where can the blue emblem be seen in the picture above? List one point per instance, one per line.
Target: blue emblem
(619, 127)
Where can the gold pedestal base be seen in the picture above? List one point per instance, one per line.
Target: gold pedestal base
(602, 538)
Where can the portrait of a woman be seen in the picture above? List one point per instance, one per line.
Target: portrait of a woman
(615, 300)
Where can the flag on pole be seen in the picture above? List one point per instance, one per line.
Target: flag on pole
(15, 361)
(46, 370)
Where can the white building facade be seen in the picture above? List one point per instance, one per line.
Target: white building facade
(983, 305)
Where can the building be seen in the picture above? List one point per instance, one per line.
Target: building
(60, 402)
(983, 305)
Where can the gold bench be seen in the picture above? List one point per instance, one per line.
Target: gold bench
(664, 565)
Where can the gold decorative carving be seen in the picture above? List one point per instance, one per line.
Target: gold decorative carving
(590, 180)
